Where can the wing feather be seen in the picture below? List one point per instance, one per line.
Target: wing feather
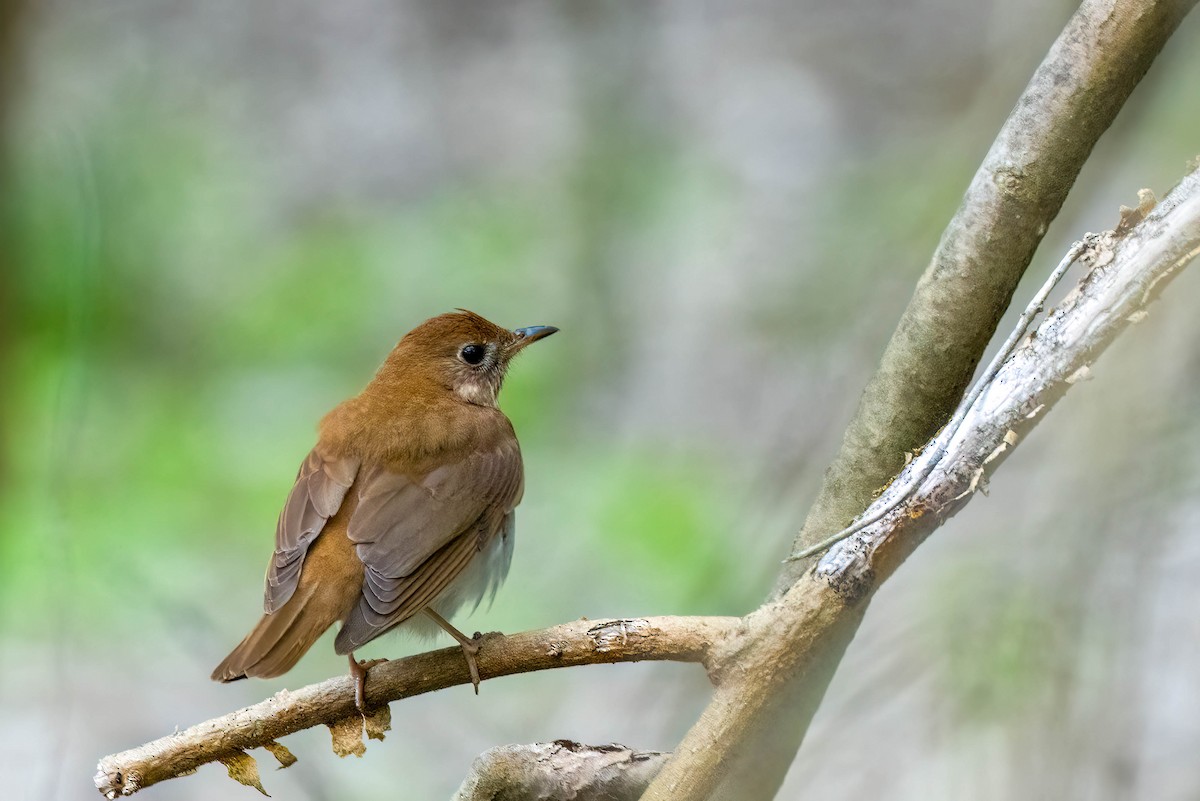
(412, 593)
(319, 491)
(415, 536)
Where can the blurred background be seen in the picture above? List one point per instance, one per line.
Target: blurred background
(220, 217)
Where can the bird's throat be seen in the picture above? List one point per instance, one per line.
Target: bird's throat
(480, 392)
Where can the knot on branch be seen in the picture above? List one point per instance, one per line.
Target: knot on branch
(561, 769)
(1010, 179)
(112, 782)
(847, 570)
(612, 634)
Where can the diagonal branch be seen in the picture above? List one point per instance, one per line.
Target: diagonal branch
(797, 640)
(226, 739)
(1072, 98)
(1127, 273)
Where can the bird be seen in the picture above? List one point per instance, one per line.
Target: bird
(404, 510)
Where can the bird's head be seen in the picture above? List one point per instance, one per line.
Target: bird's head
(462, 352)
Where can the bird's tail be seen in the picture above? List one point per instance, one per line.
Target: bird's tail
(277, 642)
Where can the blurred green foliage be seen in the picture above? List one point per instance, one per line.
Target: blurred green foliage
(1001, 644)
(873, 228)
(177, 340)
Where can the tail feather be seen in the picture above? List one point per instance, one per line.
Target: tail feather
(276, 644)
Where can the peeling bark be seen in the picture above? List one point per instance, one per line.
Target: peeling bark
(1073, 97)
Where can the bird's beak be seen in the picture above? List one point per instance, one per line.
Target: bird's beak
(527, 336)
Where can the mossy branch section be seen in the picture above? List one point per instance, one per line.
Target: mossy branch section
(1090, 71)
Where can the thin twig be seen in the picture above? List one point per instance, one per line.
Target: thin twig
(944, 436)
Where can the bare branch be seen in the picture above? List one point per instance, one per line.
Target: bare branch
(1127, 272)
(1085, 79)
(680, 639)
(787, 646)
(558, 770)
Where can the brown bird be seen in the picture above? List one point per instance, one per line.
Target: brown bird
(404, 509)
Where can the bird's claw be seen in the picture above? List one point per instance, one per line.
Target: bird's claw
(469, 649)
(358, 669)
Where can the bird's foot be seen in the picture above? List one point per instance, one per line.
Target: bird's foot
(359, 671)
(470, 648)
(469, 645)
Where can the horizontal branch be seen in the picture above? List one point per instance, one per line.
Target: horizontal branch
(226, 739)
(561, 769)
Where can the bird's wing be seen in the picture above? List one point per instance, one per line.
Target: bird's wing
(318, 493)
(415, 537)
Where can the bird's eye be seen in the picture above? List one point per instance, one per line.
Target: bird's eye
(473, 354)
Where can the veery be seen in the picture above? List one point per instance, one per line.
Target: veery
(404, 509)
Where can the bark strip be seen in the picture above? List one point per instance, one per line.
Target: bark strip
(1085, 79)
